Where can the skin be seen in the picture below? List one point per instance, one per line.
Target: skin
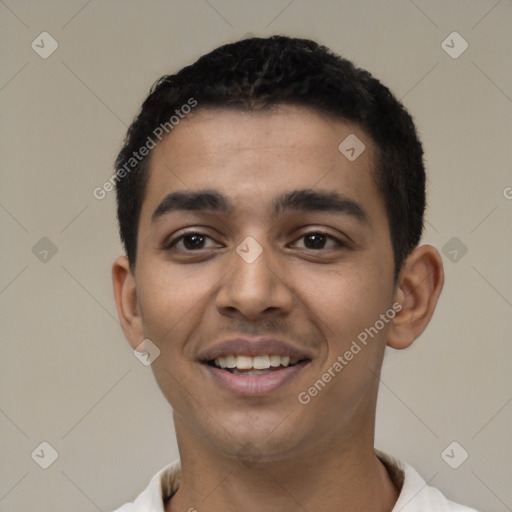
(271, 452)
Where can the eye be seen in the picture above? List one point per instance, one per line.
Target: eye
(318, 240)
(191, 242)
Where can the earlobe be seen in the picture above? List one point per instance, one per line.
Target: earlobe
(125, 293)
(419, 285)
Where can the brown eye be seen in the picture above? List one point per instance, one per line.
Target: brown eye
(191, 242)
(315, 241)
(318, 241)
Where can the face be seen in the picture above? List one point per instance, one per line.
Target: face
(262, 246)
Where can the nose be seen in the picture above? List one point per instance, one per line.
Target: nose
(255, 289)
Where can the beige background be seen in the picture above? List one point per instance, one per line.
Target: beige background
(67, 375)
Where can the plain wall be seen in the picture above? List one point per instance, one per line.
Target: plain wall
(68, 377)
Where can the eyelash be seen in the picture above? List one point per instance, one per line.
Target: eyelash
(172, 243)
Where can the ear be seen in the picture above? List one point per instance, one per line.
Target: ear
(125, 293)
(419, 285)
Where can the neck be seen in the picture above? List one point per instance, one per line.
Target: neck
(336, 474)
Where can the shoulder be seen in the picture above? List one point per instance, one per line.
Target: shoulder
(416, 495)
(161, 487)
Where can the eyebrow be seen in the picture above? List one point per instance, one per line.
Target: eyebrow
(305, 200)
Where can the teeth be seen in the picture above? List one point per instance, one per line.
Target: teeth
(243, 362)
(261, 362)
(252, 372)
(275, 361)
(220, 363)
(230, 361)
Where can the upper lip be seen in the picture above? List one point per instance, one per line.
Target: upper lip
(252, 347)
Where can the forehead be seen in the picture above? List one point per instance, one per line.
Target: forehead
(255, 156)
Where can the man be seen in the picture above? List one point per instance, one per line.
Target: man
(271, 200)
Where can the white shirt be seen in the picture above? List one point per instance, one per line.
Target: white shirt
(415, 495)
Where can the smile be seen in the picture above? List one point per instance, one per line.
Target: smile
(253, 366)
(259, 375)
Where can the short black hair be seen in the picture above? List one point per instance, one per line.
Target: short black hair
(259, 73)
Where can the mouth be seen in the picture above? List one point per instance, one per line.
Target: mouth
(253, 366)
(254, 376)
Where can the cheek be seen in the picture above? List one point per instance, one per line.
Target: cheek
(351, 295)
(348, 308)
(348, 305)
(170, 297)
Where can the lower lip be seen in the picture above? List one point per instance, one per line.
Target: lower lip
(254, 385)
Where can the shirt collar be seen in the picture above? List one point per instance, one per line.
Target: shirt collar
(169, 477)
